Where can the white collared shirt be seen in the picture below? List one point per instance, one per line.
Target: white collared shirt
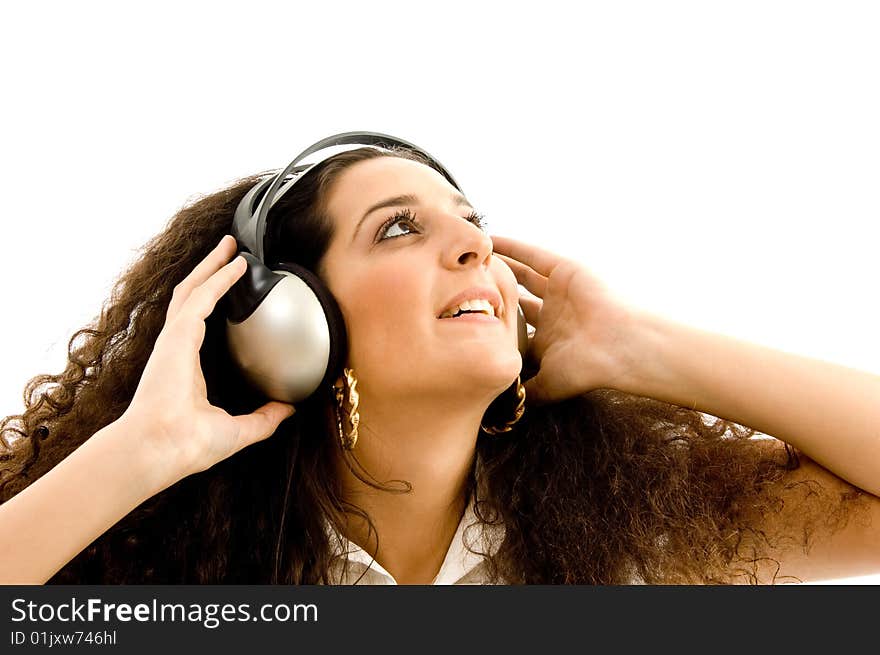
(460, 566)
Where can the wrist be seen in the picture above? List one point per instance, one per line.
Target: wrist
(644, 368)
(149, 470)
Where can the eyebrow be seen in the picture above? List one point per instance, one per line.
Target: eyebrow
(407, 199)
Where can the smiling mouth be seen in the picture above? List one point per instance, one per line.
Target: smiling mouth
(472, 312)
(471, 317)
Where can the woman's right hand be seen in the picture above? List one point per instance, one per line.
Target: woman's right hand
(170, 411)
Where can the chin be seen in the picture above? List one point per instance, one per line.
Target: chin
(494, 374)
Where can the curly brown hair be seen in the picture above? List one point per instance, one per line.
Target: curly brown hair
(603, 488)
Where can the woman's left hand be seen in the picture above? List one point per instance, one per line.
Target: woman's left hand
(581, 338)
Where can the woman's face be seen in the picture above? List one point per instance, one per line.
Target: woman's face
(394, 277)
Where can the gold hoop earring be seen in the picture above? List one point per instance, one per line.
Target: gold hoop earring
(517, 413)
(347, 441)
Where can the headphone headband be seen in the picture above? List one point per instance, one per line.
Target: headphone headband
(249, 224)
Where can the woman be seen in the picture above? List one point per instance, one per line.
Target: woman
(151, 460)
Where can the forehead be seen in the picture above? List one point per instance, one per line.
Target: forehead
(368, 182)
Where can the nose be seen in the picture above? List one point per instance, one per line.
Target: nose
(467, 245)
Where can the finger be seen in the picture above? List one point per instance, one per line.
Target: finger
(543, 261)
(204, 298)
(531, 308)
(203, 271)
(534, 282)
(261, 423)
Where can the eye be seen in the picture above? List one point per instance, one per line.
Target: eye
(477, 219)
(406, 217)
(402, 217)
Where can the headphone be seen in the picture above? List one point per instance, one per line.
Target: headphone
(284, 329)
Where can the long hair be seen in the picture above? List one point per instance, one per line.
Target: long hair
(603, 488)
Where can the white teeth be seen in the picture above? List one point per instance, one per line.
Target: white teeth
(473, 305)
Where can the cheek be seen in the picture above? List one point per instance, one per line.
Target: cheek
(506, 281)
(382, 309)
(380, 303)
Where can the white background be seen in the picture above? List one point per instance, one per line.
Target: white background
(716, 162)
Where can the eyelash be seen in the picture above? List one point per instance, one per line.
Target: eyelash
(408, 215)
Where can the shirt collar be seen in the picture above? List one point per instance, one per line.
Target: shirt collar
(457, 564)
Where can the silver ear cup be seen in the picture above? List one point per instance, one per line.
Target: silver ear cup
(522, 331)
(283, 347)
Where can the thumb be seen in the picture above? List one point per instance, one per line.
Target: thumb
(277, 412)
(262, 422)
(535, 390)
